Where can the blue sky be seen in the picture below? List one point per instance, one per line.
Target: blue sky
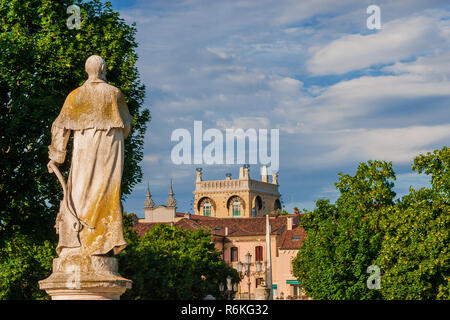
(338, 92)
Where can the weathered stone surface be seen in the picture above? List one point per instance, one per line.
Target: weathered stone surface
(80, 277)
(89, 223)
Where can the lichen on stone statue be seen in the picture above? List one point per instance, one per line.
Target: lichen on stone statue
(89, 222)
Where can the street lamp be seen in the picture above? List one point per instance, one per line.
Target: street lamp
(258, 266)
(231, 288)
(244, 269)
(248, 258)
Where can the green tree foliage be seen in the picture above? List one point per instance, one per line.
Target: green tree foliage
(408, 239)
(22, 264)
(172, 263)
(342, 240)
(41, 62)
(415, 252)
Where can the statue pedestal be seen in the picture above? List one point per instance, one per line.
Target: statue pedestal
(79, 277)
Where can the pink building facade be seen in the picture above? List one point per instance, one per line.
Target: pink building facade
(236, 237)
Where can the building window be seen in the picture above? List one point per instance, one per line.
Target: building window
(277, 205)
(234, 254)
(207, 209)
(296, 290)
(258, 205)
(259, 253)
(254, 212)
(259, 281)
(236, 208)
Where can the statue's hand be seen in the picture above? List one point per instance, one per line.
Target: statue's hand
(49, 165)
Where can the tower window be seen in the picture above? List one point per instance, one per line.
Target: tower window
(277, 205)
(236, 208)
(207, 209)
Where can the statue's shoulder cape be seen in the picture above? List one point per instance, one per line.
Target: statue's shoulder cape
(94, 105)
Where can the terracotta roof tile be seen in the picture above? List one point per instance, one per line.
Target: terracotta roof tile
(292, 239)
(143, 227)
(236, 226)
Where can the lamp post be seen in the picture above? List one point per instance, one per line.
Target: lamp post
(244, 270)
(230, 290)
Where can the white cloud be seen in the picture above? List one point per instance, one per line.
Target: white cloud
(399, 39)
(151, 159)
(220, 53)
(286, 85)
(244, 123)
(436, 67)
(350, 104)
(400, 145)
(241, 64)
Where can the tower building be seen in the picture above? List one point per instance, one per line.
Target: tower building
(242, 197)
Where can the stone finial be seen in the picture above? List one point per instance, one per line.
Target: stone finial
(199, 174)
(246, 171)
(148, 204)
(171, 202)
(275, 178)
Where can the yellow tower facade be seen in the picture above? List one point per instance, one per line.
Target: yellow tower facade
(242, 197)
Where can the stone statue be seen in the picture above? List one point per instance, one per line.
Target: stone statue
(89, 222)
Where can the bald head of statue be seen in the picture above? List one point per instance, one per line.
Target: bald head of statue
(96, 68)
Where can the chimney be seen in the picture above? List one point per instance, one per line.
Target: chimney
(187, 215)
(135, 219)
(264, 176)
(289, 223)
(226, 231)
(241, 173)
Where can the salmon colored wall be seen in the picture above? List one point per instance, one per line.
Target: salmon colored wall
(284, 263)
(281, 265)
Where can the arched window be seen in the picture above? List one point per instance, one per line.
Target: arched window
(236, 208)
(277, 205)
(207, 208)
(259, 253)
(234, 254)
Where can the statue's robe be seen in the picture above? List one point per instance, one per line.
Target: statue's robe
(98, 116)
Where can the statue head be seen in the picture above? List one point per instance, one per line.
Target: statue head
(96, 67)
